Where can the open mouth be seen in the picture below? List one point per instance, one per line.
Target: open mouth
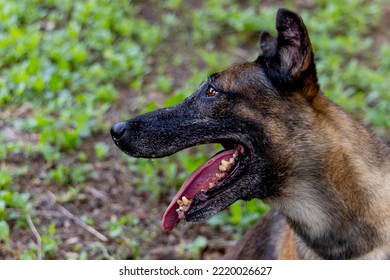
(212, 178)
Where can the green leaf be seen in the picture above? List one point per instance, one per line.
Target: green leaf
(5, 178)
(4, 230)
(2, 209)
(236, 211)
(101, 150)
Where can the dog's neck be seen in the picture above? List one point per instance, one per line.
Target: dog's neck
(331, 227)
(338, 205)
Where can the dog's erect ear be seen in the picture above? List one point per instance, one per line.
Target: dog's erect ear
(267, 44)
(289, 57)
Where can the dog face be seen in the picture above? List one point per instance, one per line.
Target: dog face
(253, 110)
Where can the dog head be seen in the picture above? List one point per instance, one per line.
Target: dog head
(252, 109)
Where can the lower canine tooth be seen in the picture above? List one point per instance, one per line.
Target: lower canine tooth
(186, 201)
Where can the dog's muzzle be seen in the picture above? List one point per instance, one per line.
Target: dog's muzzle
(118, 130)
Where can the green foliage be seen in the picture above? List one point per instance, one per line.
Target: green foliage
(194, 248)
(13, 199)
(60, 55)
(153, 176)
(128, 225)
(65, 175)
(351, 73)
(5, 178)
(240, 217)
(101, 150)
(4, 230)
(49, 242)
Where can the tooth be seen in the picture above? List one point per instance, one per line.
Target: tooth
(211, 185)
(231, 160)
(180, 202)
(225, 163)
(235, 154)
(186, 201)
(218, 176)
(224, 166)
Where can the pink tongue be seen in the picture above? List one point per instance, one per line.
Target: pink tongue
(197, 181)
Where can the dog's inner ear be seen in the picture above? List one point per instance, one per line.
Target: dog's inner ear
(289, 58)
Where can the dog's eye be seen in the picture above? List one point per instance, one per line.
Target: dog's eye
(211, 92)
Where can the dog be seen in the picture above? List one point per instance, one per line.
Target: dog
(325, 175)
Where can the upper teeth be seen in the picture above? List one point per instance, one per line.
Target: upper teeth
(225, 164)
(223, 167)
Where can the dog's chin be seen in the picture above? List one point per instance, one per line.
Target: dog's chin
(204, 206)
(210, 189)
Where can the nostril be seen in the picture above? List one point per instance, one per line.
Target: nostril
(117, 130)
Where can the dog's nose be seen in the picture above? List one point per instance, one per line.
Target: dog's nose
(117, 130)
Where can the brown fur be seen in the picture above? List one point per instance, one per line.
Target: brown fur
(354, 184)
(326, 176)
(270, 238)
(356, 174)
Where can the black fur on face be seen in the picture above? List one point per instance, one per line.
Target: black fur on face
(226, 117)
(234, 108)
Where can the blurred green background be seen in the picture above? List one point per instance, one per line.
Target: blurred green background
(71, 69)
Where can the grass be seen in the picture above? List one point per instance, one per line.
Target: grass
(69, 70)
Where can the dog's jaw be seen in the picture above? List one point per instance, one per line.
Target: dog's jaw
(212, 175)
(206, 204)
